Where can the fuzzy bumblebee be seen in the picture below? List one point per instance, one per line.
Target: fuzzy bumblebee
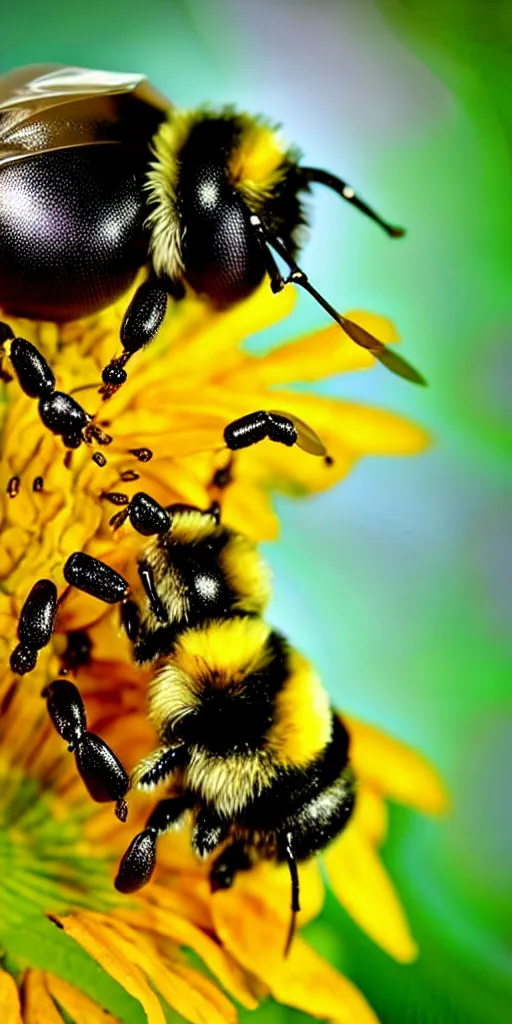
(101, 177)
(249, 747)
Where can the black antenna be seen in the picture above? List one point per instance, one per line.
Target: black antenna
(397, 364)
(347, 192)
(294, 875)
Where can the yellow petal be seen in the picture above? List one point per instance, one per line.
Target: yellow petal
(185, 934)
(255, 935)
(89, 934)
(326, 352)
(211, 994)
(38, 1005)
(9, 1000)
(362, 885)
(394, 768)
(372, 813)
(80, 1008)
(180, 995)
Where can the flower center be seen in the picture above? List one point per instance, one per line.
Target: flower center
(44, 860)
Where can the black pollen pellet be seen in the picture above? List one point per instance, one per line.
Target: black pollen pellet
(38, 615)
(99, 459)
(144, 316)
(138, 863)
(35, 376)
(102, 772)
(95, 578)
(66, 710)
(147, 516)
(63, 415)
(37, 484)
(114, 375)
(281, 430)
(247, 430)
(22, 660)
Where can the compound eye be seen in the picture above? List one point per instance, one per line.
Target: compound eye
(222, 255)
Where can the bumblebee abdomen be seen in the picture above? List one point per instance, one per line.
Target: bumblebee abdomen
(71, 231)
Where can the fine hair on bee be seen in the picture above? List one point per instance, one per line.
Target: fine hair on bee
(199, 201)
(249, 748)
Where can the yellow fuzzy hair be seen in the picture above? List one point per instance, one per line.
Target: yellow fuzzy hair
(223, 652)
(302, 716)
(246, 573)
(191, 526)
(228, 783)
(163, 221)
(256, 165)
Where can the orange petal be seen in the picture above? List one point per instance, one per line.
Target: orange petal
(255, 935)
(362, 885)
(394, 768)
(38, 1005)
(80, 1008)
(88, 934)
(326, 352)
(9, 1000)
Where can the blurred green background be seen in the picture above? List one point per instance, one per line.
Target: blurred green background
(402, 593)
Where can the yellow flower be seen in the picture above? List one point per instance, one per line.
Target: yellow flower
(59, 914)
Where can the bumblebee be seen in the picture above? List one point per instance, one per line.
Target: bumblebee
(249, 747)
(100, 177)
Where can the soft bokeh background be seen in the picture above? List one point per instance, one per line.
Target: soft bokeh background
(396, 584)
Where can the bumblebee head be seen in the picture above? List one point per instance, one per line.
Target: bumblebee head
(211, 174)
(202, 569)
(223, 196)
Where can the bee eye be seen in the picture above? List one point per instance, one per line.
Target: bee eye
(222, 256)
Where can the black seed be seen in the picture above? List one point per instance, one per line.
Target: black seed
(78, 649)
(142, 454)
(13, 487)
(38, 615)
(99, 459)
(37, 484)
(138, 863)
(102, 772)
(35, 376)
(95, 578)
(66, 710)
(63, 415)
(115, 497)
(147, 516)
(22, 660)
(129, 474)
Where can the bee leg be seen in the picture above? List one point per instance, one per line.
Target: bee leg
(209, 830)
(225, 867)
(35, 626)
(157, 766)
(61, 413)
(281, 427)
(141, 324)
(289, 854)
(138, 863)
(102, 772)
